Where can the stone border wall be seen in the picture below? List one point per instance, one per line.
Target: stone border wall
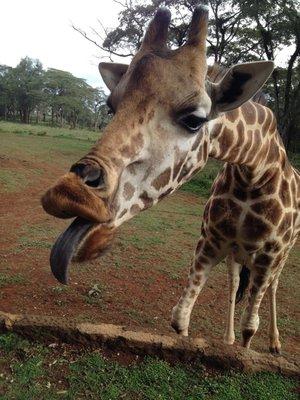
(213, 354)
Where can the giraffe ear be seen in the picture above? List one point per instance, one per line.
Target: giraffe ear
(240, 84)
(112, 73)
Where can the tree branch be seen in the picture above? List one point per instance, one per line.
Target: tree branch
(109, 50)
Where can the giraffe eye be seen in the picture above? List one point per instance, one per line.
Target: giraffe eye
(192, 122)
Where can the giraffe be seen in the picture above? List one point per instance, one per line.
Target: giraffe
(169, 117)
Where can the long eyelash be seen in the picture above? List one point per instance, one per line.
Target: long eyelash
(187, 102)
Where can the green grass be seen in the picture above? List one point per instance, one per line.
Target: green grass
(202, 182)
(12, 181)
(43, 130)
(31, 371)
(6, 279)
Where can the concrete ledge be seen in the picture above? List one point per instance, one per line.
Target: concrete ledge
(214, 354)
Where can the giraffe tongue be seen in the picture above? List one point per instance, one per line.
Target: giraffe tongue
(66, 246)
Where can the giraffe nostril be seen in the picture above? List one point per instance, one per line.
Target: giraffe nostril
(91, 175)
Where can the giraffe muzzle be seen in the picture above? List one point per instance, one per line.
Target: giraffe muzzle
(89, 234)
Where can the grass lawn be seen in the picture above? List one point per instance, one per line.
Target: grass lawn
(31, 371)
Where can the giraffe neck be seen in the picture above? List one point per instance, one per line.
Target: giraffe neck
(248, 138)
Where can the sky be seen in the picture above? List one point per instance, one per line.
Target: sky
(42, 29)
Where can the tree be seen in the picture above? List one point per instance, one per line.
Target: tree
(72, 99)
(28, 89)
(7, 98)
(28, 78)
(239, 31)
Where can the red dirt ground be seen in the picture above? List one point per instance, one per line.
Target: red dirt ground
(138, 282)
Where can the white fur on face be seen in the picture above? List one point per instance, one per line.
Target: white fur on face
(166, 144)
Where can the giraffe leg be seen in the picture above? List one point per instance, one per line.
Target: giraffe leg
(204, 260)
(250, 319)
(234, 279)
(275, 344)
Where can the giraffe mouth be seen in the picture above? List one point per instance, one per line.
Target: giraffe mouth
(82, 240)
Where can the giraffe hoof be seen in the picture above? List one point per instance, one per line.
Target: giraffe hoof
(229, 341)
(177, 329)
(276, 351)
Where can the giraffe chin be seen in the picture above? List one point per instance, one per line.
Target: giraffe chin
(82, 240)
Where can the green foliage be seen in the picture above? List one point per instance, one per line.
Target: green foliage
(36, 372)
(201, 183)
(52, 96)
(6, 279)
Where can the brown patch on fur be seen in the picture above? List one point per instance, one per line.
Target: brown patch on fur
(273, 153)
(249, 113)
(284, 193)
(135, 209)
(131, 169)
(222, 186)
(227, 228)
(148, 201)
(269, 209)
(162, 180)
(261, 113)
(251, 248)
(232, 115)
(269, 188)
(263, 260)
(208, 250)
(216, 234)
(128, 191)
(259, 280)
(254, 228)
(224, 209)
(216, 130)
(272, 246)
(240, 194)
(215, 242)
(226, 140)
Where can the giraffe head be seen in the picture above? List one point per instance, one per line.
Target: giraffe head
(156, 140)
